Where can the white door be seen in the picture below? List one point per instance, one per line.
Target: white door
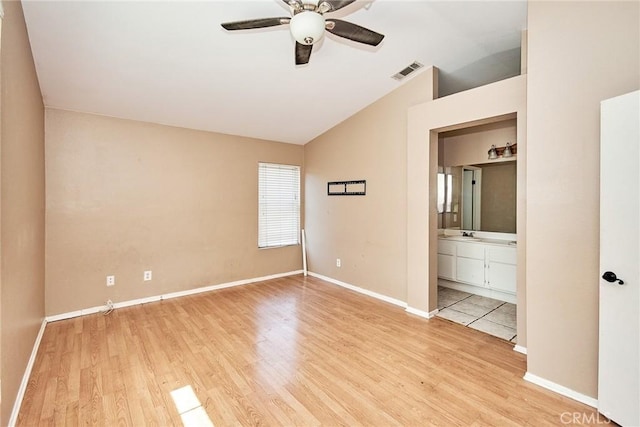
(619, 355)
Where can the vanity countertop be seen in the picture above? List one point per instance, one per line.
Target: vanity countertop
(488, 241)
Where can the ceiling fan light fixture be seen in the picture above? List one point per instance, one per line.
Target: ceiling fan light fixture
(307, 27)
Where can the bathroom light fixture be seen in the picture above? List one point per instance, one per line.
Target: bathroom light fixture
(493, 153)
(507, 150)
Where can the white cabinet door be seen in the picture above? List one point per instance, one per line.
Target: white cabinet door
(501, 277)
(470, 270)
(619, 343)
(501, 268)
(447, 266)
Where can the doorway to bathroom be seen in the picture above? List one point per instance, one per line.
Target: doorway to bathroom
(477, 239)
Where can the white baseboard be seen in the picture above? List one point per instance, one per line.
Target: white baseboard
(422, 313)
(520, 349)
(360, 290)
(381, 297)
(154, 298)
(565, 391)
(27, 374)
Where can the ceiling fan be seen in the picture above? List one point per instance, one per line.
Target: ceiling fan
(307, 24)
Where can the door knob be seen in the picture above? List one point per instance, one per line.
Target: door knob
(611, 277)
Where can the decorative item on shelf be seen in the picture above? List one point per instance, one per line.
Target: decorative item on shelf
(502, 152)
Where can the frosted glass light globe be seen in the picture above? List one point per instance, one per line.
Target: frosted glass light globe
(307, 27)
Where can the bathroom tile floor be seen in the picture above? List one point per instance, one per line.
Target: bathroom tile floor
(488, 315)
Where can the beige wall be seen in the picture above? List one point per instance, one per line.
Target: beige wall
(368, 233)
(579, 54)
(126, 196)
(21, 205)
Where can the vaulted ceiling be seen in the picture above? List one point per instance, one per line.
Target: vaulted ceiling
(171, 62)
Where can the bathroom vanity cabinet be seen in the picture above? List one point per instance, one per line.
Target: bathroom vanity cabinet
(488, 266)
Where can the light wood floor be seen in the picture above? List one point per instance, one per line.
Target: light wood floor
(292, 351)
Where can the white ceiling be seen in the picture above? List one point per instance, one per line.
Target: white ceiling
(170, 62)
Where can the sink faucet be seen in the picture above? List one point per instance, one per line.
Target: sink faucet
(469, 234)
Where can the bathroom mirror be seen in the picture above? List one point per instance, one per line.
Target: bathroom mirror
(480, 197)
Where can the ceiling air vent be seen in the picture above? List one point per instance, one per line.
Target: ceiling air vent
(405, 72)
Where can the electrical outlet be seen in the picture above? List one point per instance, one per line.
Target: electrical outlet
(147, 275)
(338, 262)
(111, 280)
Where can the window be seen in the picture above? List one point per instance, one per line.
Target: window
(278, 205)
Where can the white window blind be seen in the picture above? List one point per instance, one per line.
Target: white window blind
(278, 205)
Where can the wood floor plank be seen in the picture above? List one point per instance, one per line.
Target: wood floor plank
(289, 351)
(34, 394)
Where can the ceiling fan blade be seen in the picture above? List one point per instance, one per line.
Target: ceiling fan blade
(255, 23)
(337, 4)
(303, 53)
(354, 32)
